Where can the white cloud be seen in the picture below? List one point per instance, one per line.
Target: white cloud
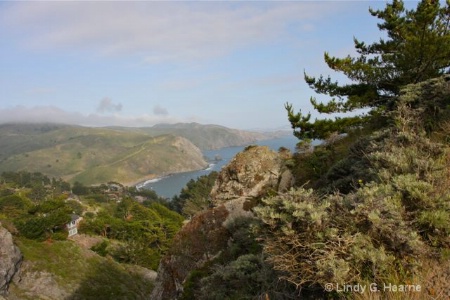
(160, 111)
(106, 105)
(159, 31)
(52, 114)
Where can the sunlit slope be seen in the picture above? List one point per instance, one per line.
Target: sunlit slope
(206, 137)
(95, 155)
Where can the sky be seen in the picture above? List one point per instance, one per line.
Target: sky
(102, 63)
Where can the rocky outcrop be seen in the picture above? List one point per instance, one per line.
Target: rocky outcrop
(199, 241)
(39, 284)
(250, 175)
(10, 259)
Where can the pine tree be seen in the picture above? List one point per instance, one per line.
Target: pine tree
(417, 48)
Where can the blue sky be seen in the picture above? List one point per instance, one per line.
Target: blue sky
(140, 63)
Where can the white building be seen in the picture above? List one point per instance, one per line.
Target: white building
(72, 226)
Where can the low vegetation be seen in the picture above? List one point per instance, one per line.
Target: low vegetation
(134, 228)
(371, 205)
(79, 273)
(194, 197)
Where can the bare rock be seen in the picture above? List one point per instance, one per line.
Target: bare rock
(248, 176)
(10, 259)
(39, 284)
(198, 242)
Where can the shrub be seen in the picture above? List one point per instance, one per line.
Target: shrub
(385, 225)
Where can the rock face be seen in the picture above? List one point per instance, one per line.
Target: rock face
(39, 284)
(198, 241)
(249, 175)
(10, 259)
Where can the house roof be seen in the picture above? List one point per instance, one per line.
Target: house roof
(74, 217)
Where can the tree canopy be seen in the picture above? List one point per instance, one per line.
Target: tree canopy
(417, 48)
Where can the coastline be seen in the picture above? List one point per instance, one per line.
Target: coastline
(140, 180)
(142, 183)
(155, 178)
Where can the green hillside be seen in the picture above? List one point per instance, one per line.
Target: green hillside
(94, 155)
(114, 254)
(206, 137)
(75, 273)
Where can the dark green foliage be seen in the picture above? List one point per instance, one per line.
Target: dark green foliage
(247, 277)
(149, 194)
(101, 248)
(33, 228)
(25, 179)
(240, 271)
(192, 285)
(6, 192)
(106, 280)
(96, 198)
(150, 197)
(35, 205)
(436, 107)
(137, 253)
(145, 233)
(243, 237)
(129, 209)
(14, 205)
(195, 196)
(38, 193)
(171, 221)
(44, 220)
(417, 48)
(75, 207)
(338, 164)
(79, 189)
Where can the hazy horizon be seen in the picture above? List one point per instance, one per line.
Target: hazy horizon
(255, 129)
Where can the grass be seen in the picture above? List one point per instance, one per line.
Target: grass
(62, 258)
(97, 155)
(83, 273)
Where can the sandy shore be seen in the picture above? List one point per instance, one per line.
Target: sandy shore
(142, 180)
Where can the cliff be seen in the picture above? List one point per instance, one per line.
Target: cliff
(251, 174)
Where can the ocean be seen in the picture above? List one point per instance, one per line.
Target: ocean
(172, 185)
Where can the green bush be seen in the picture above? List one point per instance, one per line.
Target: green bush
(101, 248)
(384, 225)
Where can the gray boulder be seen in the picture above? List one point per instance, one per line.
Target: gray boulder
(10, 259)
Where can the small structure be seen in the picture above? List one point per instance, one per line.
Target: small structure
(72, 226)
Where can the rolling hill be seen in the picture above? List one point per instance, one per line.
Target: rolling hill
(126, 155)
(206, 137)
(94, 155)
